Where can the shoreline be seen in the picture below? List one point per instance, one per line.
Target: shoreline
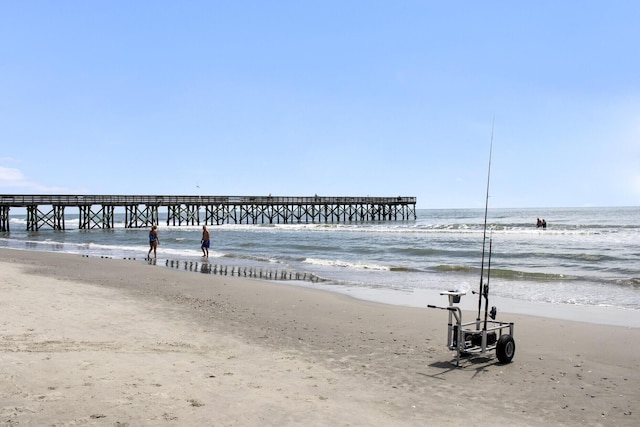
(100, 341)
(420, 298)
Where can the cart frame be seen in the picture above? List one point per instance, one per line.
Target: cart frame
(473, 337)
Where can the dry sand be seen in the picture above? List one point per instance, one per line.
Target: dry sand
(92, 341)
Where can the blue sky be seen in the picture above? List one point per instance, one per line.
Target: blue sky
(336, 98)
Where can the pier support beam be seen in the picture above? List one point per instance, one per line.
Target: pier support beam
(136, 217)
(36, 219)
(184, 214)
(4, 218)
(89, 219)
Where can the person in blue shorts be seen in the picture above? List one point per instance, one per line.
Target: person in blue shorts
(205, 241)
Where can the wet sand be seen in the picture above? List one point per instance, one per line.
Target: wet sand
(92, 341)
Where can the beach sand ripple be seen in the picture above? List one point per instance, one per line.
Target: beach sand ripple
(87, 341)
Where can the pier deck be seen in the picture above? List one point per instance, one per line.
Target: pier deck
(98, 211)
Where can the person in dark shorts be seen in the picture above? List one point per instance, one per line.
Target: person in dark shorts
(205, 241)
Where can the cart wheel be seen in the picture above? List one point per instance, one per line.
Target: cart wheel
(506, 348)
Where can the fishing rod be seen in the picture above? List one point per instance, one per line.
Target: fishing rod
(484, 234)
(486, 289)
(494, 335)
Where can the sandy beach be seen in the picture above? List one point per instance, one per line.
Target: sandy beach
(98, 341)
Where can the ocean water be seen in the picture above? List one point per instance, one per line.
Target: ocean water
(585, 257)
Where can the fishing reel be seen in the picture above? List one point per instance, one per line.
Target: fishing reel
(485, 292)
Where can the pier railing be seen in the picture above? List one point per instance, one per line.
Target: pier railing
(98, 211)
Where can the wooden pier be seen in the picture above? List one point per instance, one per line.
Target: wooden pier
(98, 211)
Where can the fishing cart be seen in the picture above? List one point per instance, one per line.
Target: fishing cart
(479, 336)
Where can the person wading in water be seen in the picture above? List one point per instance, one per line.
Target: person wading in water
(154, 241)
(205, 241)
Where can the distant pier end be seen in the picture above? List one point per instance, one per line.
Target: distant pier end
(98, 211)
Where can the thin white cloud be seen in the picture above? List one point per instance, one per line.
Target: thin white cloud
(11, 177)
(14, 179)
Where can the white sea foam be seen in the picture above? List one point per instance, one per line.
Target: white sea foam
(587, 257)
(345, 264)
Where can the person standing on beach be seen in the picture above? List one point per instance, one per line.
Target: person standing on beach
(205, 241)
(154, 241)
